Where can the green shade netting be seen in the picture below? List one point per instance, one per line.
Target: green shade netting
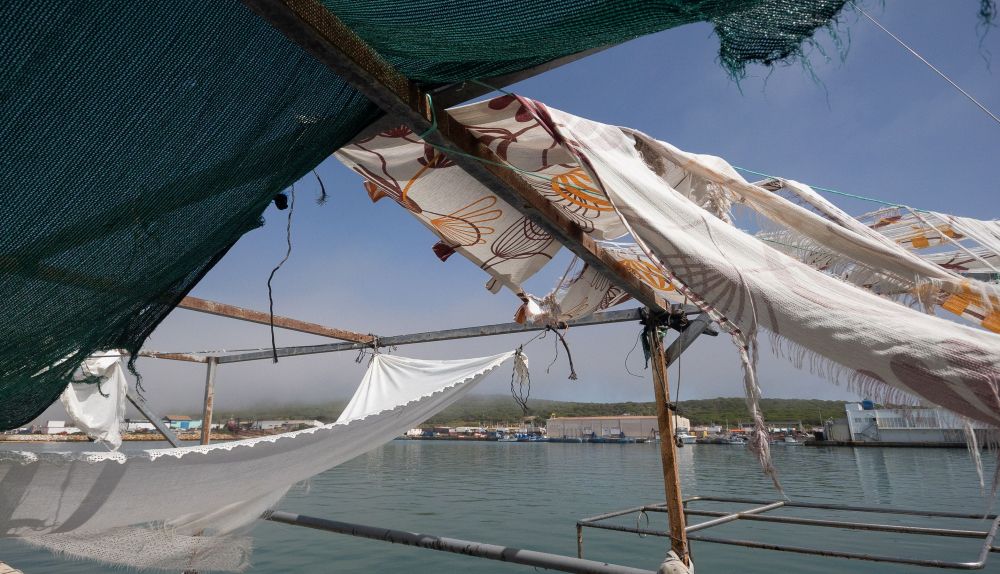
(455, 40)
(142, 139)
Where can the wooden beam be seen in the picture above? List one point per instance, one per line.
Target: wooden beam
(618, 316)
(321, 34)
(188, 357)
(668, 448)
(242, 314)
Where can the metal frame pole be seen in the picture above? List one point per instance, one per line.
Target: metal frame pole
(206, 416)
(668, 449)
(456, 546)
(140, 404)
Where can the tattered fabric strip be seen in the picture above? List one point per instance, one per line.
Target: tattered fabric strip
(465, 215)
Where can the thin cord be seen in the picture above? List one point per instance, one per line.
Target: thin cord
(828, 190)
(929, 65)
(270, 291)
(634, 345)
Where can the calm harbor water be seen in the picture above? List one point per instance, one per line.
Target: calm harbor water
(530, 496)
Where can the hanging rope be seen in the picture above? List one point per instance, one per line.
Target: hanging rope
(522, 390)
(629, 354)
(270, 291)
(569, 356)
(924, 60)
(322, 199)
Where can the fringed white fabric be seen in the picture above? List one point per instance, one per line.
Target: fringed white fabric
(189, 508)
(675, 205)
(747, 282)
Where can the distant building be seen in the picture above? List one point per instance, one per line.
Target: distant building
(630, 426)
(181, 422)
(287, 424)
(866, 424)
(58, 427)
(136, 425)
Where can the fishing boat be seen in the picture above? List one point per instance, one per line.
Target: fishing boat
(686, 438)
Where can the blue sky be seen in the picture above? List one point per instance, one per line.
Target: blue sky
(879, 124)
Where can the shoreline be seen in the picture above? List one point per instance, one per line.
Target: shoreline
(145, 437)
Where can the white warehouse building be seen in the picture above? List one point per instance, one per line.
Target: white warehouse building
(630, 426)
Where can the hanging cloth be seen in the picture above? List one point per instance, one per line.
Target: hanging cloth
(190, 507)
(95, 400)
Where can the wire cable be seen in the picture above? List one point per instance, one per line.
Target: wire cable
(924, 60)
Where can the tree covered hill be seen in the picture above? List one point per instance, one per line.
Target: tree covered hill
(493, 409)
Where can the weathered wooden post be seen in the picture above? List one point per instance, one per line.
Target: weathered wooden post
(206, 415)
(668, 448)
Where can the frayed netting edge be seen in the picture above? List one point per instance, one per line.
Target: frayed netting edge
(130, 549)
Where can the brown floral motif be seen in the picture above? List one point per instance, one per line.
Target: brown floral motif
(647, 273)
(400, 131)
(464, 225)
(614, 296)
(502, 102)
(522, 240)
(433, 159)
(378, 186)
(575, 191)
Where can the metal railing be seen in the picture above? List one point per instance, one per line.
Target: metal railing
(456, 546)
(759, 513)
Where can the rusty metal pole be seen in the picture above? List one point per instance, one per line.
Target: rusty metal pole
(668, 448)
(206, 415)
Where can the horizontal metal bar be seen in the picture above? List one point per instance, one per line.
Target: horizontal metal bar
(947, 532)
(756, 514)
(619, 316)
(734, 516)
(620, 528)
(844, 507)
(839, 554)
(456, 546)
(611, 514)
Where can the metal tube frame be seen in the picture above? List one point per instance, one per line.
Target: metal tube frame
(456, 546)
(758, 513)
(617, 316)
(140, 404)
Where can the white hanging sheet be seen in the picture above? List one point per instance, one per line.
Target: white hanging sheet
(189, 508)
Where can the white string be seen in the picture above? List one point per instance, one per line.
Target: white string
(929, 65)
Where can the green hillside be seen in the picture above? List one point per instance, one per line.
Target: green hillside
(499, 409)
